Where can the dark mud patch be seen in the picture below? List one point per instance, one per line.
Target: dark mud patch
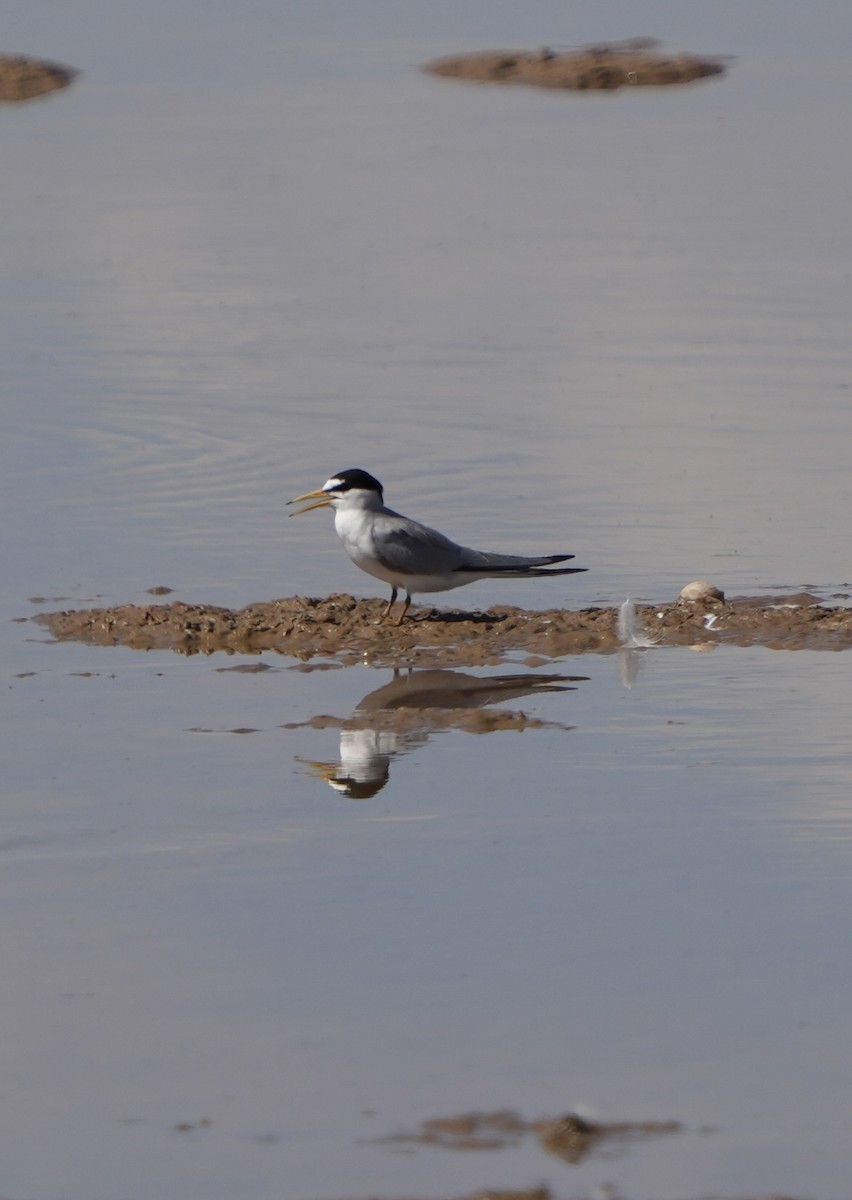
(607, 67)
(24, 78)
(545, 1193)
(570, 1137)
(349, 630)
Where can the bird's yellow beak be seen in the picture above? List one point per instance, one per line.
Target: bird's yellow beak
(321, 500)
(320, 770)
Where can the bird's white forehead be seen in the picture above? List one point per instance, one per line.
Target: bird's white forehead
(331, 484)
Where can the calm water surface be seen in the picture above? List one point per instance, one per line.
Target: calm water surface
(246, 251)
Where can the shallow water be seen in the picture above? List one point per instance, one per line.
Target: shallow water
(242, 254)
(642, 912)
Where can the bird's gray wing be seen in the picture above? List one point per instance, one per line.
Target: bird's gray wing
(414, 549)
(410, 548)
(517, 564)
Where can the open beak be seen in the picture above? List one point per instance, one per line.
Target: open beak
(320, 770)
(321, 500)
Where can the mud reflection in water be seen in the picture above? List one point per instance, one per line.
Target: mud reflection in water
(401, 715)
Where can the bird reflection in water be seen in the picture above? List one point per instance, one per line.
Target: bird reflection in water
(403, 714)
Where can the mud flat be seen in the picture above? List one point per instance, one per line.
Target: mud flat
(569, 1137)
(351, 630)
(24, 78)
(607, 67)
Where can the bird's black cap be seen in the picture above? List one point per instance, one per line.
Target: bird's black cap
(354, 477)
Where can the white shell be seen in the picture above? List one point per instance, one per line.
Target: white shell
(700, 591)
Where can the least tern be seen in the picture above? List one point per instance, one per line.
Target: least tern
(405, 553)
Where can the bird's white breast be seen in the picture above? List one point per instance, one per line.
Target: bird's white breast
(354, 528)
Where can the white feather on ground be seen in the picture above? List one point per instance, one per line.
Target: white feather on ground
(629, 634)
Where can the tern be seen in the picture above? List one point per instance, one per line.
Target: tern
(405, 553)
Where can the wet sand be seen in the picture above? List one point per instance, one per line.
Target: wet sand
(351, 630)
(605, 67)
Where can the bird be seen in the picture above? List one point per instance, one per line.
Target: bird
(405, 553)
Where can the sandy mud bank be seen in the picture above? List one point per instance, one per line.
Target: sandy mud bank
(23, 78)
(570, 1137)
(347, 629)
(635, 63)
